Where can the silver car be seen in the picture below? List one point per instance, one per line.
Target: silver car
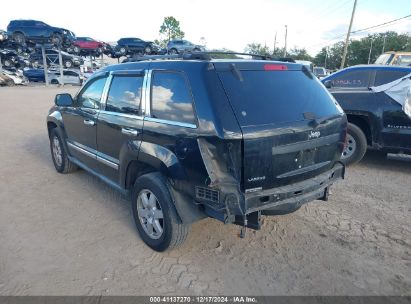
(180, 46)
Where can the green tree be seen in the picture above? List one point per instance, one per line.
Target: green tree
(359, 50)
(258, 49)
(170, 29)
(299, 54)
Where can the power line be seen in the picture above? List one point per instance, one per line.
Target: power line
(364, 29)
(385, 23)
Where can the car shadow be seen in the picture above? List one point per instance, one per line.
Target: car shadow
(379, 160)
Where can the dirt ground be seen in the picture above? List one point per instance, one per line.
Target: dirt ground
(73, 235)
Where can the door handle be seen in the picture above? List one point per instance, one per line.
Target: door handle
(89, 122)
(128, 131)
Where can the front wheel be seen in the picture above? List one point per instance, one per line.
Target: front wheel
(60, 158)
(68, 64)
(355, 146)
(56, 39)
(155, 215)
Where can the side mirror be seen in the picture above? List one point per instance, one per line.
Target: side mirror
(328, 84)
(63, 100)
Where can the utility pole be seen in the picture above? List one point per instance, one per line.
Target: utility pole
(383, 44)
(285, 42)
(275, 42)
(347, 39)
(369, 54)
(325, 59)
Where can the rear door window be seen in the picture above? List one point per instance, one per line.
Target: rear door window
(171, 97)
(124, 95)
(275, 97)
(383, 77)
(352, 79)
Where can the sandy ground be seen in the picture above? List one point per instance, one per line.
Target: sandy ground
(73, 235)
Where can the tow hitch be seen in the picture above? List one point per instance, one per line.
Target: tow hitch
(251, 220)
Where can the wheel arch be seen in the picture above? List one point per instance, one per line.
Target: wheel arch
(363, 122)
(154, 158)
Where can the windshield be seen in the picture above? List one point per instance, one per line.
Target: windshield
(404, 60)
(384, 59)
(266, 97)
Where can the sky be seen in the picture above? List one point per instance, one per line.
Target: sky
(223, 24)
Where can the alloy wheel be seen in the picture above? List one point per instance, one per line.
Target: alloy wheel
(150, 214)
(57, 153)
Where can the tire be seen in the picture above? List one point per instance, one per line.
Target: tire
(123, 51)
(68, 64)
(76, 50)
(7, 63)
(356, 145)
(173, 51)
(158, 210)
(54, 81)
(56, 39)
(63, 165)
(19, 38)
(148, 49)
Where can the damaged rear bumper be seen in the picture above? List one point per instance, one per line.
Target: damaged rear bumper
(295, 194)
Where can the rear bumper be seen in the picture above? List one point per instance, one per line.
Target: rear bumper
(295, 194)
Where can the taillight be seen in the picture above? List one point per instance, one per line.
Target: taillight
(275, 67)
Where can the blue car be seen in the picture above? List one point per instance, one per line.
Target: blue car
(23, 31)
(375, 120)
(34, 75)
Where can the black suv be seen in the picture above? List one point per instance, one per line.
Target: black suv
(375, 119)
(228, 139)
(131, 46)
(38, 32)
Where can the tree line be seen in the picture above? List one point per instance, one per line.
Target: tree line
(360, 51)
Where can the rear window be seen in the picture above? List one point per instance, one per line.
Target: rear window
(383, 77)
(265, 97)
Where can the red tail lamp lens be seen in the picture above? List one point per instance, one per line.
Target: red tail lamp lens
(275, 67)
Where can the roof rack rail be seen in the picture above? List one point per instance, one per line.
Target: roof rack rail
(202, 56)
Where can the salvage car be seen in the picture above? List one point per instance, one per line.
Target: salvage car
(376, 120)
(52, 58)
(198, 137)
(87, 45)
(10, 59)
(178, 46)
(36, 31)
(130, 46)
(395, 58)
(69, 77)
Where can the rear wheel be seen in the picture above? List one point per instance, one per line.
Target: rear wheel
(173, 51)
(355, 146)
(154, 213)
(59, 154)
(76, 50)
(7, 63)
(19, 38)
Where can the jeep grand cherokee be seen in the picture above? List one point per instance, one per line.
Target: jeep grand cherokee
(191, 138)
